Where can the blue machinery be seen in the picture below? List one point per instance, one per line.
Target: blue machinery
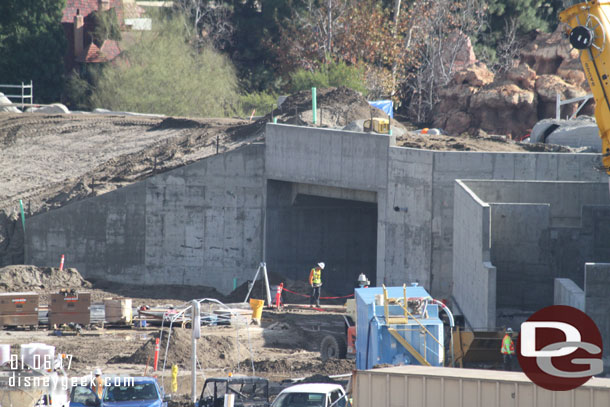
(398, 325)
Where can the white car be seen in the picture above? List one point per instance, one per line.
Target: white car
(311, 395)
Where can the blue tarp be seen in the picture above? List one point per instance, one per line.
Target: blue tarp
(386, 105)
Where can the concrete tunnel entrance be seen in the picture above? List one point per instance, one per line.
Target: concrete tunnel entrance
(306, 224)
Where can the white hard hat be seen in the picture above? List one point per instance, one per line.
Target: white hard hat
(321, 264)
(509, 329)
(97, 372)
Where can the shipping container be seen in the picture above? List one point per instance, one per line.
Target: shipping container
(70, 307)
(17, 309)
(425, 386)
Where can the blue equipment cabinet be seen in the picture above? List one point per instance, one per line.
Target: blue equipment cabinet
(398, 326)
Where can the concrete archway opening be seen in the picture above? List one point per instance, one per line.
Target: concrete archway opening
(305, 228)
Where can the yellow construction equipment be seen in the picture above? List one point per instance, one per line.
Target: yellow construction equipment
(589, 32)
(379, 125)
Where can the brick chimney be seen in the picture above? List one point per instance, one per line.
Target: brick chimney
(103, 5)
(79, 34)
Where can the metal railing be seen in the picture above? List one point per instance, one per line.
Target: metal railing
(24, 95)
(558, 103)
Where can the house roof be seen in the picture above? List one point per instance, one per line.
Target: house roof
(94, 54)
(86, 7)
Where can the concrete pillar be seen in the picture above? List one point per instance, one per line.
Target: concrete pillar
(79, 35)
(597, 306)
(568, 293)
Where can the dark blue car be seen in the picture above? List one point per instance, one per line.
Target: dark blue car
(121, 392)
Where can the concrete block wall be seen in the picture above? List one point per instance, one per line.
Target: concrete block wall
(201, 224)
(597, 306)
(568, 293)
(474, 276)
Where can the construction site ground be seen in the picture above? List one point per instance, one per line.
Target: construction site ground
(285, 345)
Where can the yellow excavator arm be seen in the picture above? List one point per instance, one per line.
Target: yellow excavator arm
(589, 33)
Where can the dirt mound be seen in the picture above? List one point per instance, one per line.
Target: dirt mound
(212, 351)
(292, 367)
(40, 279)
(466, 142)
(337, 107)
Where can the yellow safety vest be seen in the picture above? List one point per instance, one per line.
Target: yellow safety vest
(316, 276)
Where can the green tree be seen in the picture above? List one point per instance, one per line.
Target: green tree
(333, 74)
(32, 46)
(517, 17)
(106, 26)
(163, 73)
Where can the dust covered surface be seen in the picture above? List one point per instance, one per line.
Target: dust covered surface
(49, 161)
(43, 280)
(467, 142)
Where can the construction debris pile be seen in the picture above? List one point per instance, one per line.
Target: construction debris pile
(40, 279)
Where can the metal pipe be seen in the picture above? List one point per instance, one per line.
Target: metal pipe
(313, 103)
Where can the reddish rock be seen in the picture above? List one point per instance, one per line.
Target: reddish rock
(474, 75)
(455, 97)
(571, 71)
(504, 109)
(459, 50)
(523, 76)
(547, 51)
(455, 122)
(547, 88)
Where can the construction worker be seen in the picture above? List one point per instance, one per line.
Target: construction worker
(315, 281)
(508, 349)
(98, 383)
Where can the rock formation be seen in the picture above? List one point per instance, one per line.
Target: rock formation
(512, 102)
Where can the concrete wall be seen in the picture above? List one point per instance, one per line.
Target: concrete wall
(597, 306)
(568, 293)
(208, 216)
(519, 243)
(343, 159)
(531, 244)
(304, 229)
(474, 277)
(414, 189)
(201, 224)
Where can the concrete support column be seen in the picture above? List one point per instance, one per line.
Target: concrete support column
(597, 306)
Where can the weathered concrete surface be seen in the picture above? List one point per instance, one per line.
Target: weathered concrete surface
(201, 224)
(474, 277)
(303, 229)
(336, 158)
(568, 293)
(519, 244)
(597, 306)
(549, 232)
